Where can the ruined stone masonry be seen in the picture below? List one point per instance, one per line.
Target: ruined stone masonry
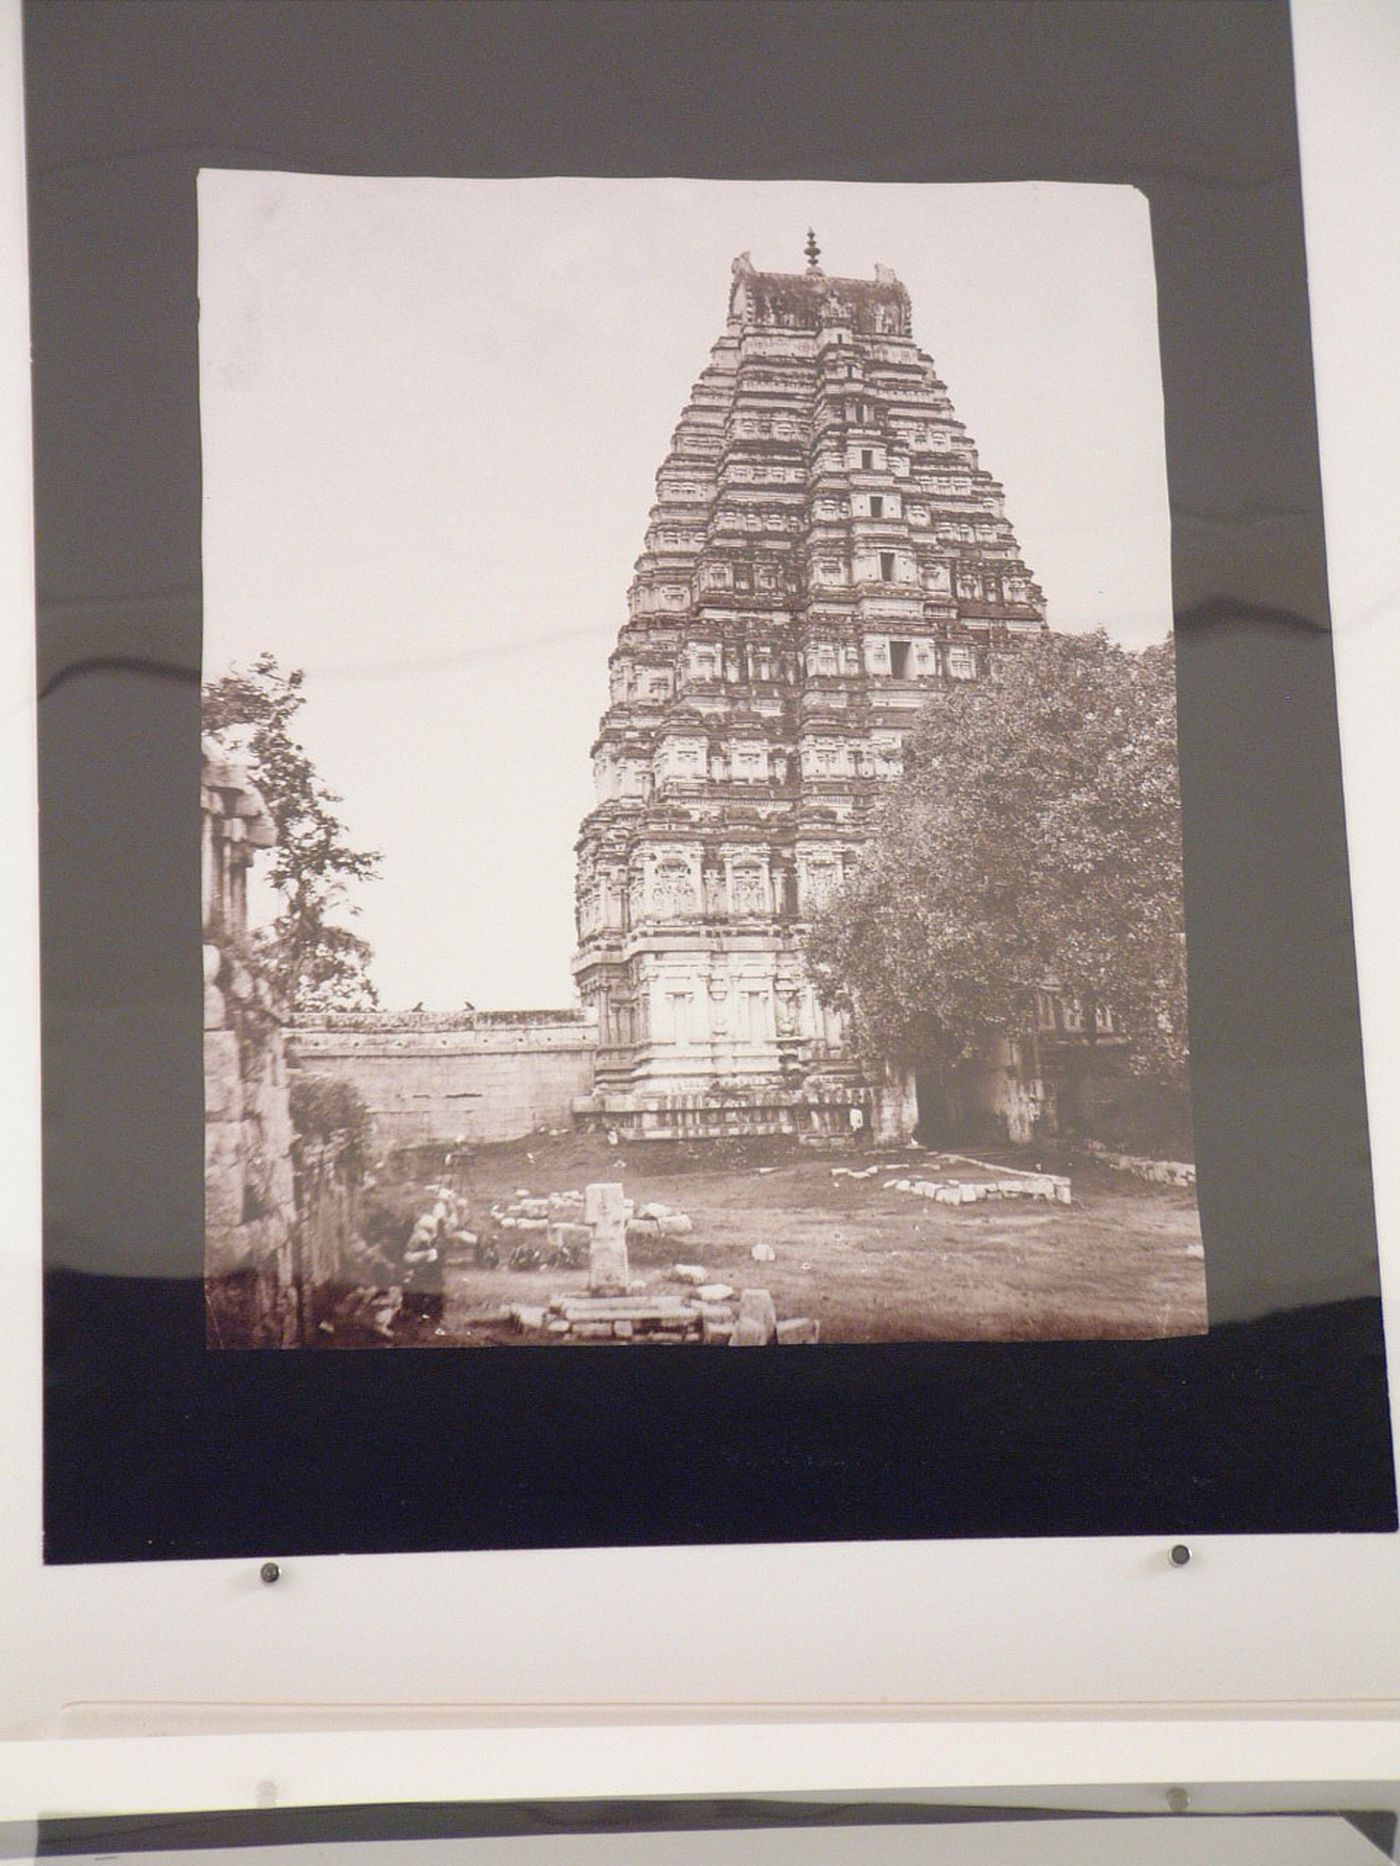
(825, 552)
(249, 1208)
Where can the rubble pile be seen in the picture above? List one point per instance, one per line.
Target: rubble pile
(440, 1229)
(615, 1308)
(552, 1231)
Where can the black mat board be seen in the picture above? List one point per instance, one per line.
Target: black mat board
(157, 1449)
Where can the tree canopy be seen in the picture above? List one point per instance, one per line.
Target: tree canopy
(1034, 838)
(316, 962)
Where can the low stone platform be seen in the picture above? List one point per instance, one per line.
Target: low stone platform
(666, 1320)
(812, 1110)
(961, 1181)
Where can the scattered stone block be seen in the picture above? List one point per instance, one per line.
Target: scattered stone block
(757, 1320)
(714, 1311)
(714, 1292)
(643, 1230)
(717, 1334)
(592, 1331)
(764, 1253)
(623, 1330)
(689, 1272)
(566, 1236)
(556, 1325)
(533, 1208)
(800, 1331)
(676, 1225)
(529, 1317)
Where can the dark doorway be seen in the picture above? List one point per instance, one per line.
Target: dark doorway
(938, 1113)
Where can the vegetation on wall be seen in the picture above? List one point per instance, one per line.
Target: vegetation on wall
(315, 961)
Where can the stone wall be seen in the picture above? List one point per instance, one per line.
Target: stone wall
(249, 1203)
(249, 1208)
(475, 1075)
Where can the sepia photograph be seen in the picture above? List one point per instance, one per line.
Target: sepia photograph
(690, 801)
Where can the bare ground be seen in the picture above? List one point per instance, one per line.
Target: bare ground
(1123, 1261)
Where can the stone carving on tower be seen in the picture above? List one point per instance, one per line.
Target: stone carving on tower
(825, 554)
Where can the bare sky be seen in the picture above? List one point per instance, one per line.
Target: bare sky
(432, 415)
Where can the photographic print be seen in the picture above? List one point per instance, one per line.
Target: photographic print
(690, 799)
(720, 697)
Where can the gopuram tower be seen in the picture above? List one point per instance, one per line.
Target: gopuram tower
(824, 555)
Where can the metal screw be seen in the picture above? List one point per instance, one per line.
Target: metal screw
(270, 1572)
(1178, 1801)
(1179, 1555)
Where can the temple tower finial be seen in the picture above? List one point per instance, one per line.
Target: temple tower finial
(812, 250)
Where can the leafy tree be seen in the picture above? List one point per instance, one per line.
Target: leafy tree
(316, 963)
(1034, 837)
(329, 1112)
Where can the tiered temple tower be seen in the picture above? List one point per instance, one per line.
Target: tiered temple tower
(824, 554)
